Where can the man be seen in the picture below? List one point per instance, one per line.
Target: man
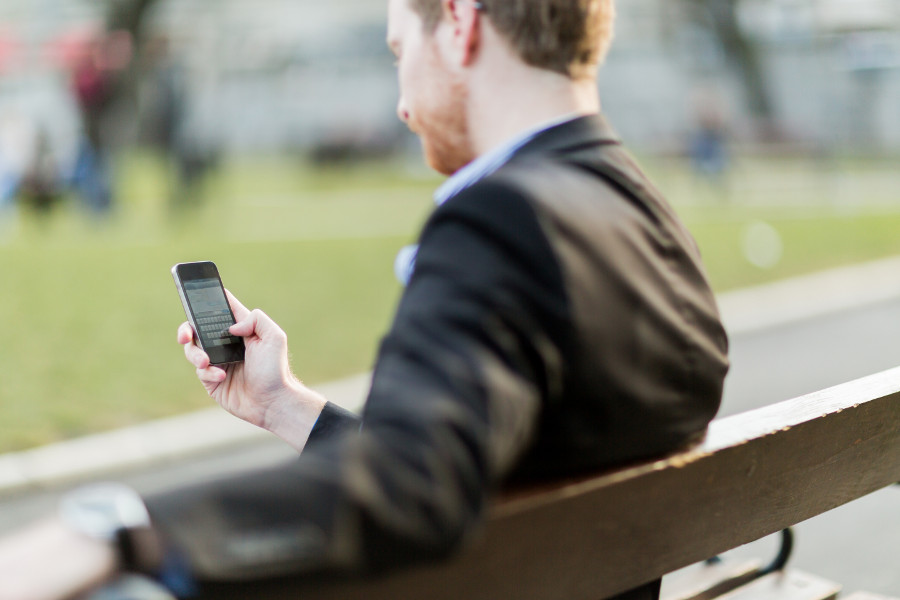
(556, 321)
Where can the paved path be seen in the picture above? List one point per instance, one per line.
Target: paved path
(787, 339)
(857, 545)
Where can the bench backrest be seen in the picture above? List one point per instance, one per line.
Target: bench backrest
(755, 474)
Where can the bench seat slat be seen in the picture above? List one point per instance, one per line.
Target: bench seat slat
(755, 474)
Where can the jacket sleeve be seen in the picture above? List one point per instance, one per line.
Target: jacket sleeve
(458, 385)
(331, 422)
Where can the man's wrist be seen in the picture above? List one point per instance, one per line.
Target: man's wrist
(293, 415)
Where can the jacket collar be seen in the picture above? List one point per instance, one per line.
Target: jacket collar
(583, 132)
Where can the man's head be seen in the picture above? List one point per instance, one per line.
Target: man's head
(433, 94)
(570, 37)
(441, 44)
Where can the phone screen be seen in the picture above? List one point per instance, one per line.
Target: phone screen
(208, 311)
(211, 312)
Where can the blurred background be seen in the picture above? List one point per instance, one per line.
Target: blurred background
(262, 135)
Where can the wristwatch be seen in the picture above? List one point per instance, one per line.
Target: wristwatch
(102, 510)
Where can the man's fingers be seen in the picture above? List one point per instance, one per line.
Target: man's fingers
(211, 375)
(185, 333)
(208, 375)
(196, 356)
(244, 327)
(258, 323)
(255, 322)
(240, 311)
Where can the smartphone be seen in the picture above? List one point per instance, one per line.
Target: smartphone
(208, 311)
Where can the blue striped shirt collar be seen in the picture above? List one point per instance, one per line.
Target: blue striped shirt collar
(469, 175)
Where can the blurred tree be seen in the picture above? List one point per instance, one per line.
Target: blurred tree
(721, 17)
(127, 15)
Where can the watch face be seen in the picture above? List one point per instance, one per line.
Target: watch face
(101, 510)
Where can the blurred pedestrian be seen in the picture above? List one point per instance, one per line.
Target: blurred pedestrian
(29, 172)
(165, 125)
(15, 150)
(93, 82)
(708, 141)
(40, 187)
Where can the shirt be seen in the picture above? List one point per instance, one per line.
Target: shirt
(469, 175)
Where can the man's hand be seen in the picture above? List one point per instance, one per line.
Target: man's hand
(47, 561)
(261, 390)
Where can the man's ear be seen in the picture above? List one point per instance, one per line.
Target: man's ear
(464, 19)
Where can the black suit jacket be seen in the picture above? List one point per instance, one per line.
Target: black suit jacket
(557, 321)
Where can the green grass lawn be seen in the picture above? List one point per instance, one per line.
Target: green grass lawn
(90, 310)
(823, 214)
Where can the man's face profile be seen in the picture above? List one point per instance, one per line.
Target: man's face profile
(432, 93)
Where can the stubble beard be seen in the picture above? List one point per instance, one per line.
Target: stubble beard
(444, 131)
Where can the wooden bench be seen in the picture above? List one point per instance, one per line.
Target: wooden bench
(756, 474)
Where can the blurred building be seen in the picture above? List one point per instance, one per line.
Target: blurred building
(260, 75)
(305, 74)
(831, 69)
(285, 73)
